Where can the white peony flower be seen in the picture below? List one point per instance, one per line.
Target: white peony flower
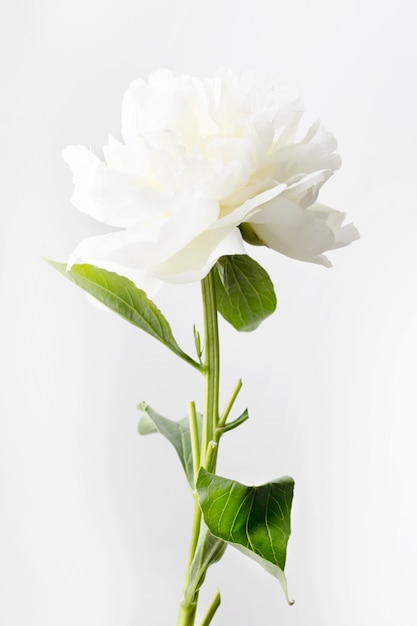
(205, 165)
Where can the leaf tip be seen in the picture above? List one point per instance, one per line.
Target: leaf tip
(57, 265)
(145, 425)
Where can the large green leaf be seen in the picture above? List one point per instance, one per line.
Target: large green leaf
(122, 296)
(256, 520)
(177, 433)
(244, 291)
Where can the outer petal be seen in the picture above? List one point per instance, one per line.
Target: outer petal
(343, 234)
(182, 245)
(118, 252)
(112, 197)
(103, 251)
(234, 100)
(195, 261)
(303, 234)
(186, 218)
(239, 215)
(153, 244)
(133, 159)
(174, 103)
(250, 207)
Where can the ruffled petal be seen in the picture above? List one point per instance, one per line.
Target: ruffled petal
(113, 197)
(344, 234)
(303, 234)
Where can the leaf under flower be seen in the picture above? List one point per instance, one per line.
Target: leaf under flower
(244, 291)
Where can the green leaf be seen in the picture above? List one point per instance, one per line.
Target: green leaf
(123, 297)
(209, 550)
(244, 291)
(255, 520)
(177, 433)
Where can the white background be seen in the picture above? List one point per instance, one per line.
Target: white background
(95, 520)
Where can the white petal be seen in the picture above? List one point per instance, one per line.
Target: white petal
(242, 213)
(344, 234)
(130, 159)
(187, 217)
(130, 250)
(109, 196)
(85, 168)
(176, 104)
(131, 122)
(196, 260)
(102, 251)
(121, 248)
(293, 231)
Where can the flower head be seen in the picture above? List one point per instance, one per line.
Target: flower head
(204, 166)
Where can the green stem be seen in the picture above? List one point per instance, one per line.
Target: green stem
(185, 357)
(211, 364)
(195, 443)
(214, 605)
(230, 404)
(186, 615)
(211, 457)
(205, 456)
